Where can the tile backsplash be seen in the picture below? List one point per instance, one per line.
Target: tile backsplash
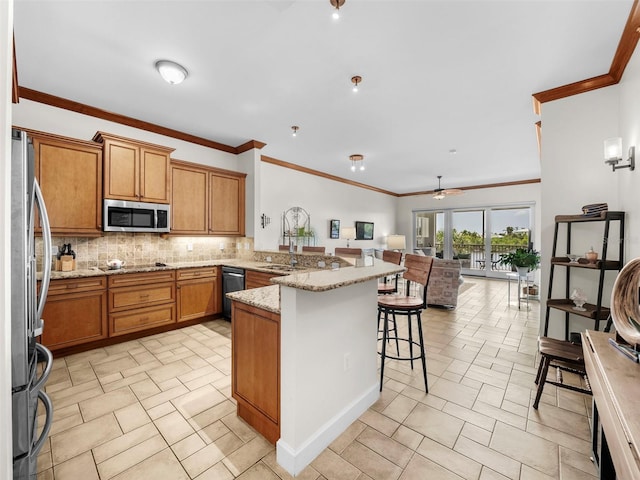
(140, 249)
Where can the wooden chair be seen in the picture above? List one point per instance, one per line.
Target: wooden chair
(392, 287)
(564, 356)
(306, 248)
(349, 252)
(418, 269)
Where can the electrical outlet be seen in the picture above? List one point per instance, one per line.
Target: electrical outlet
(347, 362)
(189, 247)
(222, 246)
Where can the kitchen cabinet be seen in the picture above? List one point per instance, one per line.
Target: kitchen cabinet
(75, 312)
(206, 200)
(198, 292)
(70, 175)
(255, 279)
(255, 353)
(139, 301)
(135, 170)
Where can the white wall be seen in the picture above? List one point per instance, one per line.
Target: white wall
(574, 174)
(324, 199)
(6, 42)
(483, 197)
(38, 116)
(629, 182)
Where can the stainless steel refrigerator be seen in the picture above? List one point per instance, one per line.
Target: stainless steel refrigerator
(27, 376)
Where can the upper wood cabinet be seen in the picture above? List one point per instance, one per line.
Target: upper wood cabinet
(206, 200)
(70, 175)
(134, 170)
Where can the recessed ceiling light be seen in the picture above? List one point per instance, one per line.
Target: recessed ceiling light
(453, 151)
(171, 72)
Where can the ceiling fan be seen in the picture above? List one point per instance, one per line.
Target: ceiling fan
(439, 193)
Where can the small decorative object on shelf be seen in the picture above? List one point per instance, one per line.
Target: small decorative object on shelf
(591, 255)
(579, 298)
(594, 209)
(573, 258)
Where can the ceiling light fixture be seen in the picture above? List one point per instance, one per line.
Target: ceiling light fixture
(356, 80)
(336, 4)
(171, 72)
(357, 162)
(440, 193)
(295, 129)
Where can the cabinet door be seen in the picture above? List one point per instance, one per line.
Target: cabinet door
(254, 279)
(189, 200)
(141, 319)
(226, 206)
(154, 176)
(75, 318)
(256, 367)
(121, 170)
(141, 296)
(197, 298)
(70, 176)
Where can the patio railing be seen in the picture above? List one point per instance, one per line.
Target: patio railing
(472, 256)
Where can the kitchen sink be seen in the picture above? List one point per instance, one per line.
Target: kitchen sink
(281, 268)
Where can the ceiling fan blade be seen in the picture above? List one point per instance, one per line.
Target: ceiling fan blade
(452, 191)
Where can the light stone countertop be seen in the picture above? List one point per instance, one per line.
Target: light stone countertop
(265, 298)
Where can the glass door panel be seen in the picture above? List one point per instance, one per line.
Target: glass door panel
(511, 229)
(468, 240)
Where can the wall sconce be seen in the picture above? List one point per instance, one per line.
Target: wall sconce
(613, 154)
(349, 233)
(396, 242)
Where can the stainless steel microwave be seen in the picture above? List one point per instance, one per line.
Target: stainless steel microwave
(123, 216)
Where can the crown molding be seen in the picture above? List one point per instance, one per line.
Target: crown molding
(476, 187)
(626, 47)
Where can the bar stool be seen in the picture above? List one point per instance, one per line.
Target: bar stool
(418, 269)
(392, 287)
(564, 356)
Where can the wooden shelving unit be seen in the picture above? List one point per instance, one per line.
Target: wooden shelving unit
(594, 311)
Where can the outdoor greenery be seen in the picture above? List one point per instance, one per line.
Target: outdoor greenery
(522, 257)
(462, 241)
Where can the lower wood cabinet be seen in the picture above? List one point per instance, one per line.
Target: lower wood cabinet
(75, 312)
(199, 292)
(254, 279)
(255, 348)
(139, 301)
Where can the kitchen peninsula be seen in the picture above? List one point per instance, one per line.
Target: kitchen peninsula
(321, 332)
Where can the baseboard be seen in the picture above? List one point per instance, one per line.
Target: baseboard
(294, 461)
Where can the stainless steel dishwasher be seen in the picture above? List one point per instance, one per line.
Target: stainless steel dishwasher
(232, 281)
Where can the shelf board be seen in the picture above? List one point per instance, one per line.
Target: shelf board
(566, 305)
(583, 263)
(581, 218)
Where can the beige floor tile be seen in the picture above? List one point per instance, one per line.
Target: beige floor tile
(454, 392)
(420, 468)
(108, 379)
(308, 473)
(65, 423)
(107, 367)
(44, 461)
(211, 454)
(489, 457)
(169, 371)
(248, 454)
(173, 427)
(432, 423)
(81, 466)
(160, 410)
(259, 471)
(217, 472)
(371, 463)
(578, 461)
(124, 442)
(380, 422)
(212, 432)
(500, 415)
(192, 403)
(477, 434)
(526, 448)
(103, 404)
(399, 408)
(82, 438)
(132, 417)
(82, 375)
(449, 459)
(144, 388)
(74, 391)
(407, 437)
(188, 446)
(45, 475)
(386, 447)
(348, 436)
(239, 427)
(491, 395)
(488, 474)
(334, 467)
(161, 466)
(563, 420)
(145, 367)
(529, 473)
(130, 457)
(123, 382)
(162, 397)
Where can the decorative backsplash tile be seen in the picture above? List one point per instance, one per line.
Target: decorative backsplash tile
(140, 249)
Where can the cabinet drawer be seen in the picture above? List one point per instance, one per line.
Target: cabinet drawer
(135, 279)
(193, 273)
(146, 295)
(74, 285)
(141, 319)
(254, 279)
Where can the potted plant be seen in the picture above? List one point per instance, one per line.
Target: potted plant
(522, 259)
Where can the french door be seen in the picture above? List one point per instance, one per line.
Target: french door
(475, 236)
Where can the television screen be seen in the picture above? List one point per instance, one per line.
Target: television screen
(364, 230)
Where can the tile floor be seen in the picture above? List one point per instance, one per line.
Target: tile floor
(161, 408)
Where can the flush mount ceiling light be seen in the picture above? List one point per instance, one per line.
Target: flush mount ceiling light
(336, 4)
(439, 193)
(295, 129)
(356, 79)
(171, 72)
(357, 162)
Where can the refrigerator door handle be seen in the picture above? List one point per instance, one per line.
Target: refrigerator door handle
(46, 259)
(44, 351)
(48, 407)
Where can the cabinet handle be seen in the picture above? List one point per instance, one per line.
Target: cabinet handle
(72, 285)
(144, 296)
(196, 273)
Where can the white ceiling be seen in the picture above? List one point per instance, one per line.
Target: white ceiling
(437, 75)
